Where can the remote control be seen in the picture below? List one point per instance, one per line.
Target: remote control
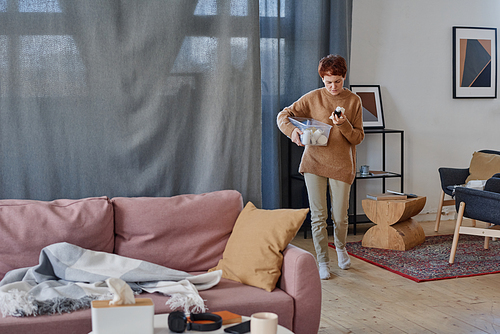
(407, 195)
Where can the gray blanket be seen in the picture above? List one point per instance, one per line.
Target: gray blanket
(69, 277)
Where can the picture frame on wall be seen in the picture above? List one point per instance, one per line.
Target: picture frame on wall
(474, 62)
(371, 98)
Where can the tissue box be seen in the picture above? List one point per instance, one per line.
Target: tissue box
(123, 319)
(313, 132)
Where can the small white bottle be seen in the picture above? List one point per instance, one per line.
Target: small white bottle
(306, 137)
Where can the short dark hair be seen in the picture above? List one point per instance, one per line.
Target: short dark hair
(332, 65)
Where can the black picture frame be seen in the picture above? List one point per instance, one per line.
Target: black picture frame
(371, 98)
(474, 62)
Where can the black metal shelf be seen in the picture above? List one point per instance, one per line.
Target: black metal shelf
(355, 218)
(361, 218)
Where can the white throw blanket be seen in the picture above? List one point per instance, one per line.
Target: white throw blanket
(69, 277)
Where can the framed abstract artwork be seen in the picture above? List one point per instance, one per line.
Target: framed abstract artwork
(474, 62)
(371, 98)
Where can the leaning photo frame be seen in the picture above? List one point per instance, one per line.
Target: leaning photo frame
(371, 98)
(474, 62)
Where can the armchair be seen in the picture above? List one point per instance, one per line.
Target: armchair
(480, 165)
(483, 205)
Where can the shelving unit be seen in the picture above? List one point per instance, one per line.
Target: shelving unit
(354, 218)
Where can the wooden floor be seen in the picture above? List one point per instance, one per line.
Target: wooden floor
(369, 299)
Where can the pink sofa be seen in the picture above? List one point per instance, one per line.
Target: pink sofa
(187, 232)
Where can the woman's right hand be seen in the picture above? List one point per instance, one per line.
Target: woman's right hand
(296, 137)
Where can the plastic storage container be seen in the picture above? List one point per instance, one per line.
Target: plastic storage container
(313, 132)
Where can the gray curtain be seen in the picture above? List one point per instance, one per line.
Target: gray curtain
(295, 35)
(129, 98)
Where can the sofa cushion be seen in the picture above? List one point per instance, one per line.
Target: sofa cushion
(241, 299)
(253, 254)
(75, 322)
(27, 226)
(185, 232)
(483, 166)
(227, 295)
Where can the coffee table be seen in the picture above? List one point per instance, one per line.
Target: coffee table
(161, 326)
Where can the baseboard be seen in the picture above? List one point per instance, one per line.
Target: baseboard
(431, 216)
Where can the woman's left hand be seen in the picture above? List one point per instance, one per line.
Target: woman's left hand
(337, 120)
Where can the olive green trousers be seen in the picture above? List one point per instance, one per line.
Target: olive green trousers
(317, 187)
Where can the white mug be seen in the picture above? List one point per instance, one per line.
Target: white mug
(264, 323)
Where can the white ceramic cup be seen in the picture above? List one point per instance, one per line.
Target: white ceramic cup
(264, 323)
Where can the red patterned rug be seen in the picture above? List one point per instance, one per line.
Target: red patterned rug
(429, 261)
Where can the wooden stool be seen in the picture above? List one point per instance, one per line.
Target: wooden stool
(395, 229)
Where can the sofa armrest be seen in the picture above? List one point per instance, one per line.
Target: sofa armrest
(300, 279)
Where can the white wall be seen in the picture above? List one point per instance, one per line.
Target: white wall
(405, 46)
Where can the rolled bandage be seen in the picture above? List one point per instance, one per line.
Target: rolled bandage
(322, 140)
(317, 133)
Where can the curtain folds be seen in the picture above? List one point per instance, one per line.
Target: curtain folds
(129, 98)
(156, 98)
(295, 35)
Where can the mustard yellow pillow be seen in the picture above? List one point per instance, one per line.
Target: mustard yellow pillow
(253, 254)
(483, 166)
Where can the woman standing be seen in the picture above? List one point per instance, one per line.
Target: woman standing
(332, 166)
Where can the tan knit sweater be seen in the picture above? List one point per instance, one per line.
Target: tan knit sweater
(337, 160)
